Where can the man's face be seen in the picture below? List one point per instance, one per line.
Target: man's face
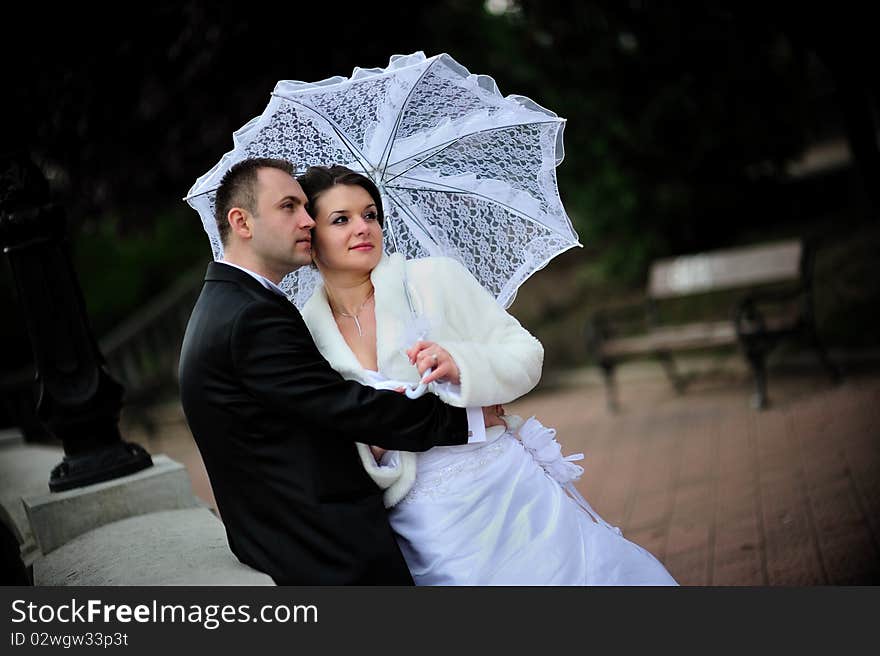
(281, 228)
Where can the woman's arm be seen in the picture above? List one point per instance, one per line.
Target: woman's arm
(498, 360)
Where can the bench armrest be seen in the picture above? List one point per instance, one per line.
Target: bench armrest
(751, 314)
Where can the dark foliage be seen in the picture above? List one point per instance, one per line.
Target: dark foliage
(682, 117)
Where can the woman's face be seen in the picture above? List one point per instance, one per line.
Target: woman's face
(347, 235)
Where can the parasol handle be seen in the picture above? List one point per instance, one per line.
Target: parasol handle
(420, 389)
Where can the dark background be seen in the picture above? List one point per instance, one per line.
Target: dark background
(686, 122)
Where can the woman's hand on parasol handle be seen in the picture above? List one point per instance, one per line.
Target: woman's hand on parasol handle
(434, 363)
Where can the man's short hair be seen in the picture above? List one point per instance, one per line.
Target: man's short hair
(238, 188)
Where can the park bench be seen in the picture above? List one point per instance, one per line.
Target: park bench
(766, 293)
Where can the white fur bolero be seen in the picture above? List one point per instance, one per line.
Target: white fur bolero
(499, 360)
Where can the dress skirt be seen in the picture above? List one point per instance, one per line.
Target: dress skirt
(491, 514)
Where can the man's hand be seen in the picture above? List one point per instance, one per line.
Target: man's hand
(378, 452)
(493, 415)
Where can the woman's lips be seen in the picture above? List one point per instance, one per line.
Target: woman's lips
(362, 247)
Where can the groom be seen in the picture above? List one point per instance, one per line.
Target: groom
(275, 424)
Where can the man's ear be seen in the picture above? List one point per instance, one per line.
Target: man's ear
(239, 222)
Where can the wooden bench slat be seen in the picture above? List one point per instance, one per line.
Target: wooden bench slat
(725, 269)
(689, 336)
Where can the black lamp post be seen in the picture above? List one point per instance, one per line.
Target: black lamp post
(78, 399)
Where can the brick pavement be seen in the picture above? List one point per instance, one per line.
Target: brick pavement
(720, 493)
(725, 495)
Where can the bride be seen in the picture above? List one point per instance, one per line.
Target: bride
(498, 512)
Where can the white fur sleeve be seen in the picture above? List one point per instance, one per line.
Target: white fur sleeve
(396, 480)
(499, 360)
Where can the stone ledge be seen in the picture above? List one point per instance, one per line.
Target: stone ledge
(58, 517)
(11, 437)
(24, 471)
(173, 547)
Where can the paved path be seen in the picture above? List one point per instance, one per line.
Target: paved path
(724, 495)
(721, 494)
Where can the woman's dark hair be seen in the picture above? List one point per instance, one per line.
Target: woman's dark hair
(318, 179)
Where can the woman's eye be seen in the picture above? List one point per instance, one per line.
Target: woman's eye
(371, 216)
(340, 219)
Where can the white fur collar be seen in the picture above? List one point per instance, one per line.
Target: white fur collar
(392, 319)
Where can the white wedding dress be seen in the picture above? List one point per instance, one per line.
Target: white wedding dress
(497, 513)
(487, 513)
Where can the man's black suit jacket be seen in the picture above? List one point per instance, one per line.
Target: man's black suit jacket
(276, 427)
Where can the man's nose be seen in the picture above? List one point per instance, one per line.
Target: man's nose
(305, 219)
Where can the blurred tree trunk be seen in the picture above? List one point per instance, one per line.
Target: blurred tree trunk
(841, 39)
(859, 107)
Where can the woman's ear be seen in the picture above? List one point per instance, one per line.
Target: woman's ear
(239, 223)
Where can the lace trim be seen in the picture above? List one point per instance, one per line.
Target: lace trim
(442, 482)
(541, 443)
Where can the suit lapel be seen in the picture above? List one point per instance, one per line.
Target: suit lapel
(219, 272)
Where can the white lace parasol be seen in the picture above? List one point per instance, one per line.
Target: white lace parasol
(464, 171)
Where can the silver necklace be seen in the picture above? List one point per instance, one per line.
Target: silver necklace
(355, 315)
